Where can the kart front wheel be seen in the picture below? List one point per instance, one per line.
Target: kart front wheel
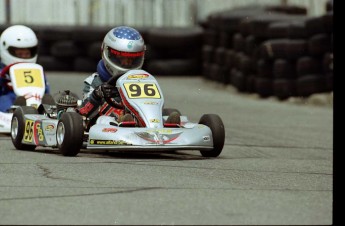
(18, 127)
(69, 133)
(215, 123)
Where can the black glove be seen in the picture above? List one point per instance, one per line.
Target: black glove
(105, 91)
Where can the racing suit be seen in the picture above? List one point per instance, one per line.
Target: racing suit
(91, 106)
(7, 96)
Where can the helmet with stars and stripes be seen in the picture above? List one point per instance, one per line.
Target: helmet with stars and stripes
(123, 49)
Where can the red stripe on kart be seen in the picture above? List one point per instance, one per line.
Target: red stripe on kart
(35, 132)
(126, 103)
(6, 69)
(168, 141)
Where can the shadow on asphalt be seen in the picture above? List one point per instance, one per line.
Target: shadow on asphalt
(84, 153)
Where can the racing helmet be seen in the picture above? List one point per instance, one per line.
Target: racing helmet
(18, 43)
(123, 49)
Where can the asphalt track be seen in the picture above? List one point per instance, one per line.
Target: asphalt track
(276, 168)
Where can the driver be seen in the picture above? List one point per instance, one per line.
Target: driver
(123, 49)
(18, 43)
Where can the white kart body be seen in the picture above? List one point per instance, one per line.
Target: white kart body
(142, 96)
(28, 81)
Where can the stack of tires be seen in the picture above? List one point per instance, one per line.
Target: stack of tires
(170, 50)
(272, 51)
(174, 51)
(67, 48)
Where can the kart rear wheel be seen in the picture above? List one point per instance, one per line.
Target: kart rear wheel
(168, 111)
(69, 133)
(215, 123)
(18, 127)
(48, 99)
(20, 101)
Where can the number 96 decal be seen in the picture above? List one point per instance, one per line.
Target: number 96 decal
(142, 90)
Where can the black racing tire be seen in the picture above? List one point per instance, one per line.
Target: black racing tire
(94, 50)
(284, 88)
(315, 25)
(219, 55)
(211, 37)
(175, 37)
(69, 133)
(264, 68)
(238, 42)
(18, 127)
(311, 84)
(51, 63)
(48, 99)
(319, 44)
(264, 87)
(230, 56)
(20, 101)
(225, 40)
(250, 83)
(168, 111)
(214, 72)
(65, 49)
(296, 48)
(278, 29)
(215, 123)
(238, 80)
(208, 54)
(283, 68)
(327, 63)
(85, 64)
(297, 30)
(174, 66)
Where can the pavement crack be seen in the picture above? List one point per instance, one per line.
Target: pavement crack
(80, 195)
(47, 173)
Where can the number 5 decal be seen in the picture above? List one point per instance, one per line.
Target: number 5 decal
(28, 77)
(142, 90)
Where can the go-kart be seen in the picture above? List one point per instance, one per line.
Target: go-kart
(62, 127)
(28, 84)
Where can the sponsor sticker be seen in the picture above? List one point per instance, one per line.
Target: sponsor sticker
(49, 127)
(109, 130)
(150, 103)
(138, 76)
(109, 142)
(206, 138)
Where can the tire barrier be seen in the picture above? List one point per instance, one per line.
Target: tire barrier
(272, 51)
(170, 50)
(269, 50)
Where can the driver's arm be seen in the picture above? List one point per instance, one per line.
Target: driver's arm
(90, 104)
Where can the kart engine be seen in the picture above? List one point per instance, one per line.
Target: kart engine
(66, 101)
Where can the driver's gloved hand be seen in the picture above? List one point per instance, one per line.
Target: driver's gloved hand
(105, 91)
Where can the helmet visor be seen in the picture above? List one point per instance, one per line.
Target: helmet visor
(126, 60)
(24, 53)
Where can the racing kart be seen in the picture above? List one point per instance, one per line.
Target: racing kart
(27, 80)
(62, 127)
